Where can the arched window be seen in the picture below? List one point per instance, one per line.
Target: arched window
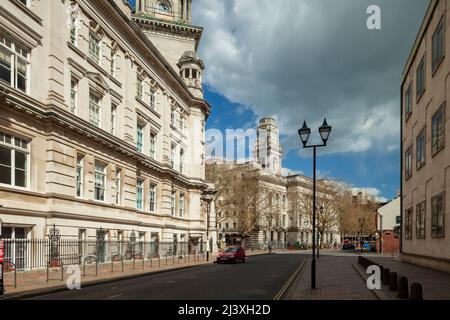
(164, 7)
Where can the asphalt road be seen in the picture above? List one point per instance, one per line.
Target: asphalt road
(260, 278)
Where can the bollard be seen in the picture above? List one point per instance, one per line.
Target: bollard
(393, 281)
(403, 288)
(416, 291)
(386, 275)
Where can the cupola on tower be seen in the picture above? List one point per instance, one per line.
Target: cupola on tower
(168, 24)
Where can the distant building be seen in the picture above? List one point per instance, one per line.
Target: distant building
(425, 128)
(281, 222)
(388, 226)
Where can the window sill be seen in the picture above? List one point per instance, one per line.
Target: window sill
(12, 188)
(420, 95)
(438, 64)
(420, 166)
(146, 106)
(408, 116)
(435, 153)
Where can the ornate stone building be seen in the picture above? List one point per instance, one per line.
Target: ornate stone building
(102, 120)
(280, 219)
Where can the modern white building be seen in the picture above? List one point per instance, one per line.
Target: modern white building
(102, 121)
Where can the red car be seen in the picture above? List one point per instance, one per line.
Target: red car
(232, 254)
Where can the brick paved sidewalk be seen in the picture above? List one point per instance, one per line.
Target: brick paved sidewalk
(336, 280)
(37, 280)
(436, 284)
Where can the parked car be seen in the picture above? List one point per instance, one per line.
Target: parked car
(233, 254)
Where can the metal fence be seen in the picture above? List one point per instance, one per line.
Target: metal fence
(38, 253)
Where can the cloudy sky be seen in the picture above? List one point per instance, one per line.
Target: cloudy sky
(301, 60)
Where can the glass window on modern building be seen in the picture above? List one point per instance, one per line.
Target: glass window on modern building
(73, 95)
(408, 224)
(152, 145)
(438, 130)
(140, 194)
(94, 109)
(14, 160)
(408, 163)
(438, 45)
(408, 102)
(152, 197)
(80, 175)
(94, 48)
(100, 181)
(420, 150)
(437, 216)
(173, 206)
(181, 205)
(14, 64)
(140, 137)
(420, 220)
(118, 186)
(420, 79)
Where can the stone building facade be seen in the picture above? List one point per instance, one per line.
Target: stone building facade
(102, 120)
(425, 200)
(281, 221)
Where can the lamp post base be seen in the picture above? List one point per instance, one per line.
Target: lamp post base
(313, 274)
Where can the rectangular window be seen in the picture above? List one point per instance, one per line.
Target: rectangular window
(181, 160)
(408, 224)
(408, 163)
(140, 137)
(408, 102)
(181, 205)
(118, 186)
(152, 145)
(80, 175)
(152, 99)
(94, 48)
(438, 45)
(420, 220)
(173, 208)
(14, 64)
(172, 118)
(420, 149)
(139, 88)
(100, 181)
(73, 95)
(14, 159)
(438, 130)
(152, 197)
(437, 216)
(73, 33)
(139, 194)
(94, 109)
(113, 119)
(420, 78)
(172, 156)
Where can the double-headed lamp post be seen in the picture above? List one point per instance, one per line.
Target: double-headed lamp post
(305, 133)
(208, 197)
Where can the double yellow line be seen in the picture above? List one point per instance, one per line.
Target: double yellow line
(288, 283)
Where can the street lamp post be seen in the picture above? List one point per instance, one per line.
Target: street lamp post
(319, 233)
(305, 133)
(208, 197)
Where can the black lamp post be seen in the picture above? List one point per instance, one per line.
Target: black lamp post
(305, 133)
(208, 197)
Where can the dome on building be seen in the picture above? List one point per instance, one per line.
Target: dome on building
(191, 56)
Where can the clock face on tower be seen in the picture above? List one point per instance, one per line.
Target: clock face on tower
(164, 7)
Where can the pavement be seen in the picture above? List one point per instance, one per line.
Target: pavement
(336, 279)
(260, 278)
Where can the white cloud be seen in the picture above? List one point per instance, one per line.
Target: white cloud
(307, 59)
